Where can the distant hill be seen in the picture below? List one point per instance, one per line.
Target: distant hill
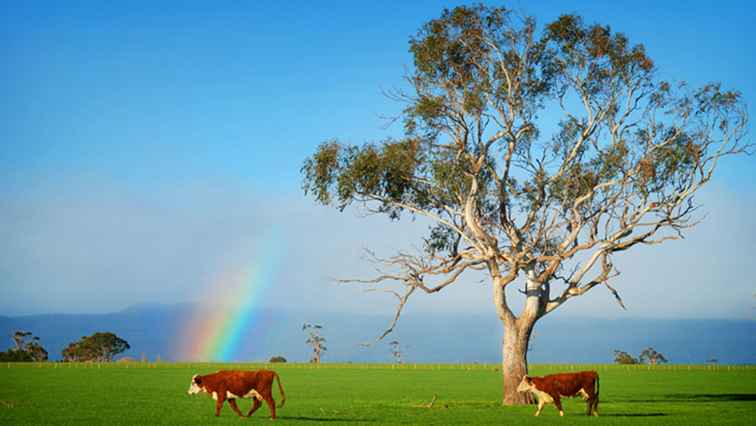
(154, 330)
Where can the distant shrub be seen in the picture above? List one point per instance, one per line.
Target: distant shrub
(99, 347)
(13, 355)
(278, 358)
(27, 348)
(650, 356)
(622, 357)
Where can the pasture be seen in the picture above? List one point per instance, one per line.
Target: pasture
(138, 393)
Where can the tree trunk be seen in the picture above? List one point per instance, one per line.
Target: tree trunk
(514, 364)
(514, 349)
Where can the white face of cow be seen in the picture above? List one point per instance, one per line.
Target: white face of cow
(194, 387)
(525, 385)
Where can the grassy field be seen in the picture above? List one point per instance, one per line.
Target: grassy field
(371, 394)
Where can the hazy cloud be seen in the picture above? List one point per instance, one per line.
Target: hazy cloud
(97, 249)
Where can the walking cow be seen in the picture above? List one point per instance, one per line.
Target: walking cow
(230, 385)
(551, 388)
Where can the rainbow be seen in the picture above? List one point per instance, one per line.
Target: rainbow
(230, 308)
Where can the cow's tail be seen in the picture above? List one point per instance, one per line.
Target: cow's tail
(594, 410)
(280, 389)
(597, 387)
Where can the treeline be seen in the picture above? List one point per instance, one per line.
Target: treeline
(99, 347)
(647, 356)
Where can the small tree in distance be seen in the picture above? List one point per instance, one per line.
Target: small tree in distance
(12, 355)
(650, 356)
(396, 351)
(622, 357)
(315, 340)
(31, 346)
(26, 348)
(35, 349)
(19, 339)
(99, 347)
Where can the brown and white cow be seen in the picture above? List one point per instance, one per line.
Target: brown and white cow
(230, 385)
(551, 388)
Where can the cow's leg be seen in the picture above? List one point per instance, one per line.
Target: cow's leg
(594, 405)
(255, 405)
(541, 403)
(558, 404)
(591, 398)
(232, 403)
(271, 404)
(588, 396)
(220, 397)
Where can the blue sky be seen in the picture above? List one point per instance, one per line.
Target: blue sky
(144, 145)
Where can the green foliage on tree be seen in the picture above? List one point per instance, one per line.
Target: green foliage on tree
(647, 356)
(26, 348)
(36, 350)
(397, 352)
(622, 357)
(537, 155)
(651, 356)
(13, 355)
(19, 339)
(99, 347)
(315, 340)
(277, 358)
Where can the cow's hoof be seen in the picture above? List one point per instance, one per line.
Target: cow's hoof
(561, 414)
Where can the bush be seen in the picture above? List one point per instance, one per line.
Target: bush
(278, 358)
(99, 347)
(622, 357)
(13, 355)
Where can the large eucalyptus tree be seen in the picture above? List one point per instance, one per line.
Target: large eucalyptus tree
(538, 155)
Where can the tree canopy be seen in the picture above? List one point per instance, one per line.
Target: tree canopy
(100, 347)
(651, 356)
(315, 340)
(538, 155)
(531, 150)
(622, 357)
(27, 348)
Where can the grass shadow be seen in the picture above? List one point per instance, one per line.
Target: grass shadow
(633, 415)
(326, 419)
(714, 397)
(701, 397)
(447, 404)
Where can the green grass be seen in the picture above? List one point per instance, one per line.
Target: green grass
(371, 394)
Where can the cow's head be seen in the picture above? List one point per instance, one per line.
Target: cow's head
(525, 385)
(195, 386)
